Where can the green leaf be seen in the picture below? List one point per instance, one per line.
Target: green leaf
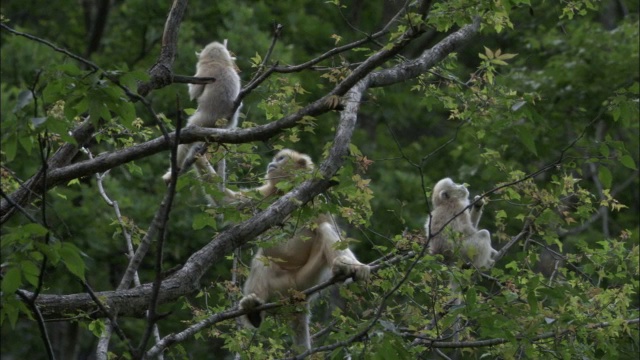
(97, 327)
(50, 251)
(34, 229)
(533, 302)
(30, 271)
(499, 62)
(488, 53)
(71, 258)
(70, 69)
(627, 161)
(27, 143)
(130, 79)
(10, 147)
(526, 137)
(507, 56)
(12, 280)
(11, 307)
(202, 220)
(604, 150)
(471, 297)
(604, 174)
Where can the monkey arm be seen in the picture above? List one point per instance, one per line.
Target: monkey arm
(478, 249)
(195, 90)
(476, 210)
(342, 261)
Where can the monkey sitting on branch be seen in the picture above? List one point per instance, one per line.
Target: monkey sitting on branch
(312, 255)
(215, 101)
(452, 229)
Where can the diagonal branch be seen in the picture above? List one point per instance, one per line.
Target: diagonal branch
(161, 73)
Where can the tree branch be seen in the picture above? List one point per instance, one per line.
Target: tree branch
(34, 185)
(498, 341)
(161, 73)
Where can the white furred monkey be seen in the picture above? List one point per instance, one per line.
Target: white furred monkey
(215, 100)
(308, 258)
(458, 236)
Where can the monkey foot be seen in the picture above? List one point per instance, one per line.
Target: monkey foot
(249, 302)
(344, 265)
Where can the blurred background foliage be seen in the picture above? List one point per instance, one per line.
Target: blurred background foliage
(575, 78)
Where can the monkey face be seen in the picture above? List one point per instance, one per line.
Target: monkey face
(446, 190)
(285, 163)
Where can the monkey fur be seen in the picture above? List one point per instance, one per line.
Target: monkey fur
(215, 100)
(454, 236)
(306, 259)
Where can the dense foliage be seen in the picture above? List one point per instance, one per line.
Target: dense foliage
(538, 111)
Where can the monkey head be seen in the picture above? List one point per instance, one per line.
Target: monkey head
(215, 52)
(285, 164)
(446, 190)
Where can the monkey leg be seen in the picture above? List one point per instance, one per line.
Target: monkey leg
(204, 168)
(342, 261)
(183, 151)
(257, 290)
(300, 326)
(249, 302)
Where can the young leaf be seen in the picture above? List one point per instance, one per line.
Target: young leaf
(627, 161)
(604, 174)
(71, 258)
(12, 280)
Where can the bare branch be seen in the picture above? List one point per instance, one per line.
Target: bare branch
(108, 314)
(152, 316)
(161, 72)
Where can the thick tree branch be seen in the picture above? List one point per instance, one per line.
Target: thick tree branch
(414, 68)
(161, 73)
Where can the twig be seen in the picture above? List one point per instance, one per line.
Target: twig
(277, 30)
(103, 344)
(19, 208)
(78, 58)
(519, 337)
(40, 321)
(152, 316)
(95, 67)
(110, 316)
